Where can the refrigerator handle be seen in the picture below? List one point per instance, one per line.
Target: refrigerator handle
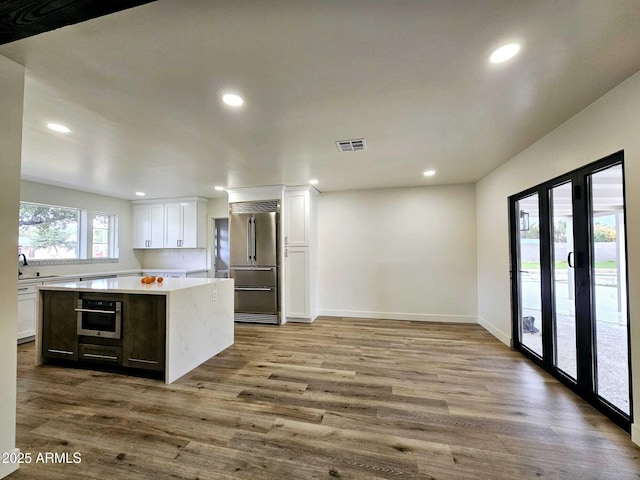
(255, 241)
(249, 242)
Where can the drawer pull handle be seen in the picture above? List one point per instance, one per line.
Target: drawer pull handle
(22, 289)
(63, 352)
(104, 357)
(141, 361)
(253, 269)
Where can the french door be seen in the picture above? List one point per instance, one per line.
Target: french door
(569, 283)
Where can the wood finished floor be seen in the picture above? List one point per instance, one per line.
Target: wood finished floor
(340, 398)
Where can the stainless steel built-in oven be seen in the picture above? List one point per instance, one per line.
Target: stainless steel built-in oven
(99, 318)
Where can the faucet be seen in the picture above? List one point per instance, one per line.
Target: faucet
(24, 263)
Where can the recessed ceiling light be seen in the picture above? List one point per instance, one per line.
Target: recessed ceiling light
(140, 194)
(429, 173)
(232, 99)
(313, 181)
(504, 53)
(56, 127)
(219, 188)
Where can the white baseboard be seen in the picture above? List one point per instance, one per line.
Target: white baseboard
(7, 468)
(300, 320)
(635, 433)
(422, 317)
(496, 332)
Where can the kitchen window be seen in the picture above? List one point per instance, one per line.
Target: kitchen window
(55, 235)
(48, 232)
(104, 236)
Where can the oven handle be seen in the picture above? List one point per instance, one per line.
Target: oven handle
(253, 289)
(89, 310)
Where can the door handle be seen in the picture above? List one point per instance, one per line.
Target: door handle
(569, 259)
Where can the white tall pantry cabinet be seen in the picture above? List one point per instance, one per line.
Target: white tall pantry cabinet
(300, 262)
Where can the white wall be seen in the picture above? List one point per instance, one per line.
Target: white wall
(218, 208)
(12, 88)
(610, 124)
(406, 253)
(50, 195)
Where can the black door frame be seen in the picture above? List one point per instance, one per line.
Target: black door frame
(585, 385)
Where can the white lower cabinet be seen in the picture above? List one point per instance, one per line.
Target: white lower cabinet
(26, 311)
(297, 276)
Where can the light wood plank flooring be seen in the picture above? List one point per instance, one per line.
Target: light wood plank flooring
(340, 398)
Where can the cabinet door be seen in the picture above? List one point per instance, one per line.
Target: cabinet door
(141, 226)
(297, 215)
(60, 325)
(148, 226)
(144, 330)
(189, 225)
(173, 215)
(156, 226)
(297, 269)
(26, 315)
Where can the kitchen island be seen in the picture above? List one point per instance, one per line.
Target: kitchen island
(169, 327)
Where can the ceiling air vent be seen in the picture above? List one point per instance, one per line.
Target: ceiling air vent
(351, 145)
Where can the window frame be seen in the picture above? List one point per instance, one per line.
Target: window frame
(84, 245)
(112, 236)
(79, 229)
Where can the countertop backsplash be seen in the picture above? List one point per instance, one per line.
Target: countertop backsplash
(47, 269)
(188, 258)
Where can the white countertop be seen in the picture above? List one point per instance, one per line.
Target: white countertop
(132, 285)
(174, 270)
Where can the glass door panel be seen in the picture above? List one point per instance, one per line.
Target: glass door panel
(530, 293)
(569, 292)
(563, 258)
(609, 287)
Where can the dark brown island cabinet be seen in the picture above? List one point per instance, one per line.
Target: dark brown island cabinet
(140, 343)
(163, 329)
(60, 326)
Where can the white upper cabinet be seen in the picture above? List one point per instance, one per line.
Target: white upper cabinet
(148, 226)
(171, 223)
(297, 221)
(184, 229)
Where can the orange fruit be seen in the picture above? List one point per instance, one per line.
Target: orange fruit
(159, 279)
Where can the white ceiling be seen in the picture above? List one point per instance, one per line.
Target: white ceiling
(140, 90)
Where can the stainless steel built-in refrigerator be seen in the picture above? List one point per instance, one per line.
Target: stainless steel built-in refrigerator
(253, 258)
